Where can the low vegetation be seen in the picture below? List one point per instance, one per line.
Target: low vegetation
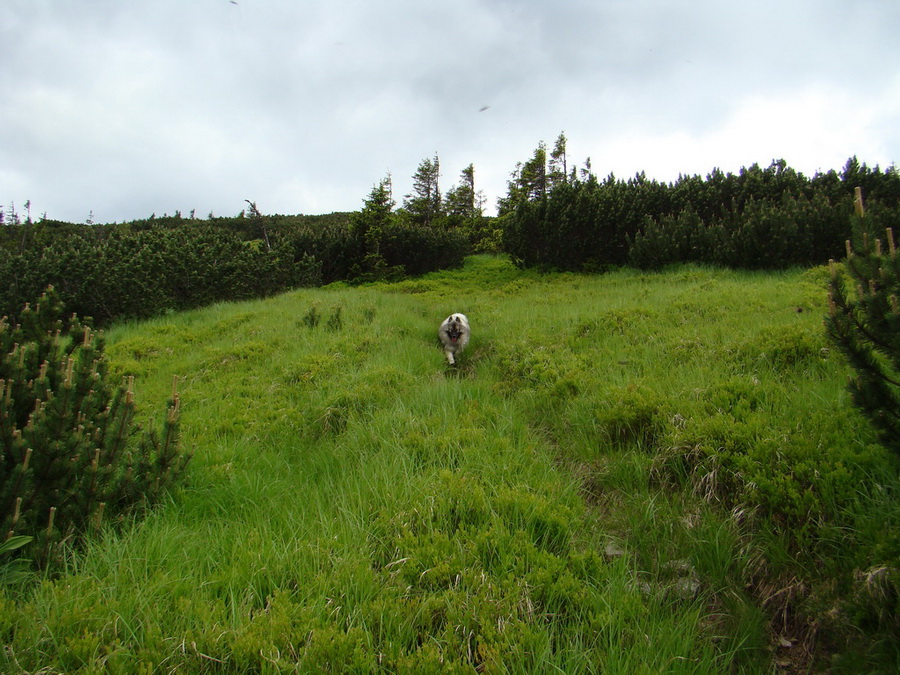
(634, 472)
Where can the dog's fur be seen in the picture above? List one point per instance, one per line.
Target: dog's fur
(454, 335)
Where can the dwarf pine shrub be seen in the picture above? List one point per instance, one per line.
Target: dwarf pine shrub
(865, 326)
(312, 317)
(71, 454)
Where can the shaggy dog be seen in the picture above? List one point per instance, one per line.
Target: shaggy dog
(454, 335)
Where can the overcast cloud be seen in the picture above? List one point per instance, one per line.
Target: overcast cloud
(130, 108)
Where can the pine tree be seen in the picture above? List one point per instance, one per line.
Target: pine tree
(423, 204)
(369, 223)
(528, 182)
(534, 174)
(71, 455)
(259, 220)
(558, 171)
(464, 209)
(460, 203)
(370, 227)
(864, 324)
(12, 217)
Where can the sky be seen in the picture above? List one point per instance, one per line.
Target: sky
(113, 110)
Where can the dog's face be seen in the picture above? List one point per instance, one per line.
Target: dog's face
(454, 328)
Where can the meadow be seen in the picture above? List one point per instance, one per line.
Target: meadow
(630, 472)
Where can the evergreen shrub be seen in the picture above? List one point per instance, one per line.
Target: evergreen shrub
(864, 324)
(72, 456)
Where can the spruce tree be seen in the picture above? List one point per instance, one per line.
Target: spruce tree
(557, 168)
(370, 227)
(369, 223)
(71, 454)
(864, 324)
(424, 203)
(528, 182)
(460, 204)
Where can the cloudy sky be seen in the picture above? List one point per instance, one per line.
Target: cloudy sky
(126, 108)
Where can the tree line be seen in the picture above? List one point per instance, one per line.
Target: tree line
(151, 266)
(555, 215)
(759, 218)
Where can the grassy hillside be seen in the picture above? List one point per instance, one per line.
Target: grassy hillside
(626, 473)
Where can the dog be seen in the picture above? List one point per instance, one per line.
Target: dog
(454, 335)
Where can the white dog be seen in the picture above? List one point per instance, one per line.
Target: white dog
(454, 335)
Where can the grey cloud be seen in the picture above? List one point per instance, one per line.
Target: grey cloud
(139, 107)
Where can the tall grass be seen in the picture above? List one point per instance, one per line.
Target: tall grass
(586, 492)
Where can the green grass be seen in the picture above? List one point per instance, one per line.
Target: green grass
(626, 473)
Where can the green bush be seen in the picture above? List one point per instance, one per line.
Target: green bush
(671, 239)
(782, 348)
(629, 415)
(804, 478)
(421, 249)
(865, 326)
(71, 456)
